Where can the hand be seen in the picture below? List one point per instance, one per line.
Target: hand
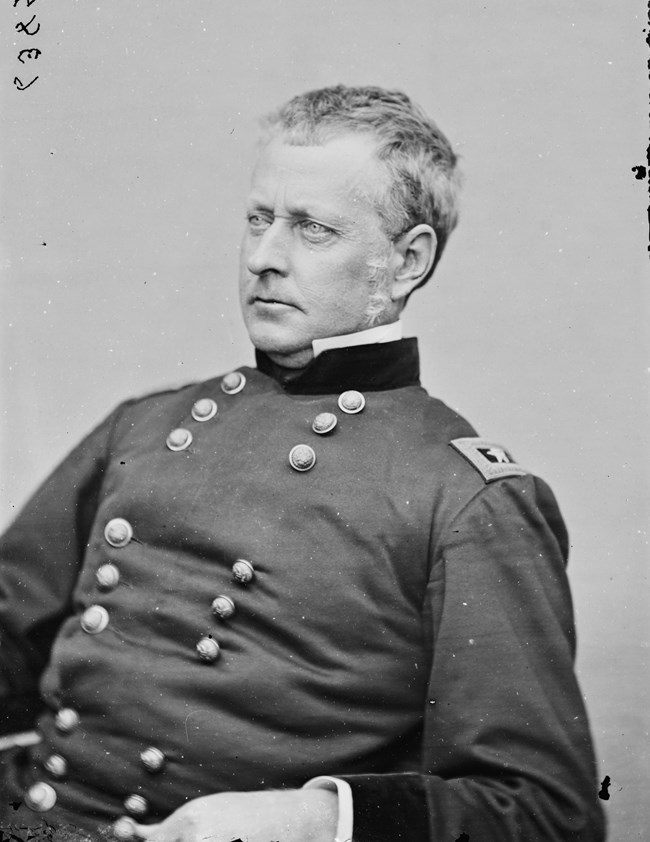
(294, 815)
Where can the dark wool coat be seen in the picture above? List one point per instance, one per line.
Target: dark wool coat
(408, 626)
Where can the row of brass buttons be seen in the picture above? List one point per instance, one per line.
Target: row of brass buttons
(204, 410)
(302, 457)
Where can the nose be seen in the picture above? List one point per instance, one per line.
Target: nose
(267, 252)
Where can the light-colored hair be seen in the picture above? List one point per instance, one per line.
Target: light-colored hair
(423, 181)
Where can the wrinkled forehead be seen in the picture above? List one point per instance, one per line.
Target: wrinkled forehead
(344, 166)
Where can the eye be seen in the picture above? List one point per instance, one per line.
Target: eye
(257, 222)
(315, 232)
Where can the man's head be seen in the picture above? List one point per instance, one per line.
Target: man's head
(353, 199)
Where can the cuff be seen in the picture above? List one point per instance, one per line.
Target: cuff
(344, 826)
(390, 807)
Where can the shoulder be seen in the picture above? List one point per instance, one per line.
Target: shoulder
(471, 473)
(497, 495)
(182, 399)
(463, 452)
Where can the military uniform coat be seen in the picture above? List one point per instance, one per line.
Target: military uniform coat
(402, 619)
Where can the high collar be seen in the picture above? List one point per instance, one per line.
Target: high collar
(390, 332)
(369, 368)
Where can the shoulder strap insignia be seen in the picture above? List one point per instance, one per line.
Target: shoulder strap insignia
(489, 459)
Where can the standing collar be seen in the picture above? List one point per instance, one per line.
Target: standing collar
(369, 336)
(369, 368)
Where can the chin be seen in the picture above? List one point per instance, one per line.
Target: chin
(276, 342)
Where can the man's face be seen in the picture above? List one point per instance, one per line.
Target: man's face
(312, 244)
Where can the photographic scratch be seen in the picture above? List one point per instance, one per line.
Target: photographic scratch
(191, 713)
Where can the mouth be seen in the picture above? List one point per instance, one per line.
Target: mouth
(269, 301)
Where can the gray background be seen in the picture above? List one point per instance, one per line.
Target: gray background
(124, 169)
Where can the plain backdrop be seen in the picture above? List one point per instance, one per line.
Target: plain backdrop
(124, 167)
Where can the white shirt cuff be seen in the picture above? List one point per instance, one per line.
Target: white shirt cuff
(344, 825)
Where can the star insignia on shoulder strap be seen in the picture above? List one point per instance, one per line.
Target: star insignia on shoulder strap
(491, 460)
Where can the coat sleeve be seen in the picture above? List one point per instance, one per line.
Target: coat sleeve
(507, 753)
(40, 557)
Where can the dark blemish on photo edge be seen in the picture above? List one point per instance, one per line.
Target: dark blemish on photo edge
(464, 837)
(604, 787)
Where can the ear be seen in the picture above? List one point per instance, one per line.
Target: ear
(413, 256)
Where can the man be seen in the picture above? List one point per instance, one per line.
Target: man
(304, 597)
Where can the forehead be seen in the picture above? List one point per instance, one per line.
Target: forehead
(344, 171)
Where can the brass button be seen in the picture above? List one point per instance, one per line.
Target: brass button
(179, 439)
(56, 765)
(124, 829)
(302, 457)
(94, 619)
(233, 382)
(351, 402)
(223, 607)
(204, 409)
(152, 759)
(136, 805)
(107, 577)
(66, 720)
(118, 532)
(207, 649)
(40, 797)
(243, 571)
(324, 423)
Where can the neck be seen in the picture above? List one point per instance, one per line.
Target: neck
(295, 361)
